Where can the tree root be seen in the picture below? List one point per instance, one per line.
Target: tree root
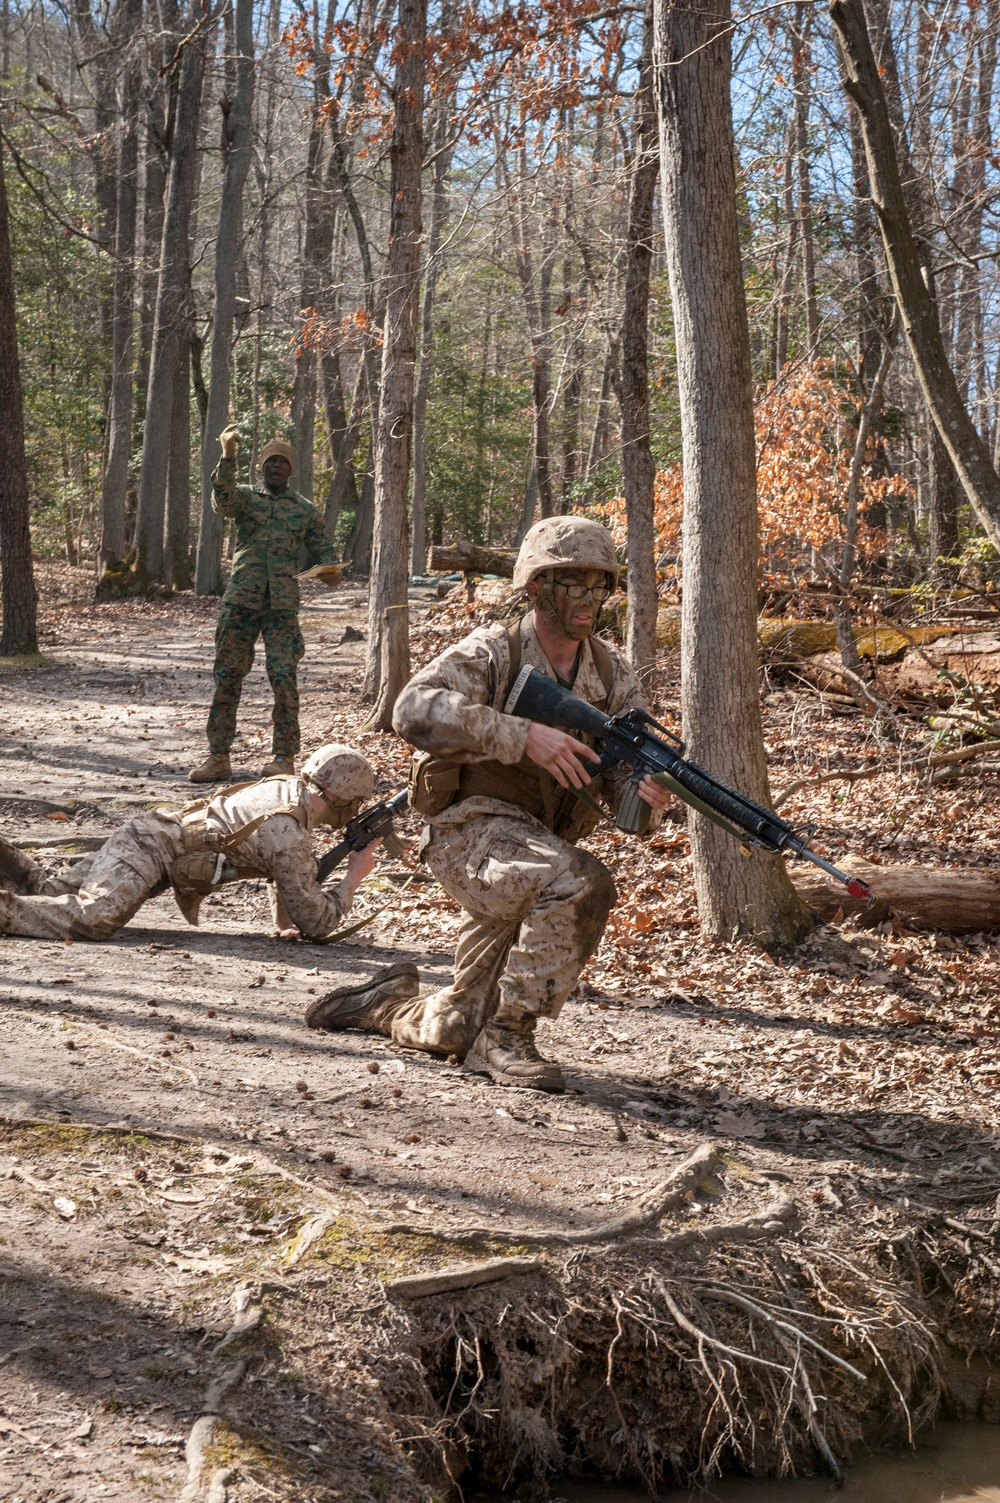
(461, 1276)
(99, 1127)
(674, 1192)
(776, 1218)
(308, 1235)
(201, 1435)
(787, 1336)
(247, 1318)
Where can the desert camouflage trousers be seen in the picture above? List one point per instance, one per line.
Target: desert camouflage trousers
(535, 910)
(235, 638)
(94, 897)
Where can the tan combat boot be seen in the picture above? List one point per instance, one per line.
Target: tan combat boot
(506, 1051)
(370, 1006)
(279, 767)
(214, 769)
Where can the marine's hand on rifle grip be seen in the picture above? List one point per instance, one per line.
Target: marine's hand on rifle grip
(654, 793)
(561, 755)
(360, 864)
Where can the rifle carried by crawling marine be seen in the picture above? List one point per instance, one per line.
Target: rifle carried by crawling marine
(371, 824)
(649, 748)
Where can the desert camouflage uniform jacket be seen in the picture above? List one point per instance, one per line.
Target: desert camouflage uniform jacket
(273, 531)
(281, 850)
(453, 709)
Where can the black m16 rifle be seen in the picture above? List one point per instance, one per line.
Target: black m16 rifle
(650, 748)
(371, 824)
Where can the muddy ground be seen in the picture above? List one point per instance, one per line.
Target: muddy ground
(171, 1133)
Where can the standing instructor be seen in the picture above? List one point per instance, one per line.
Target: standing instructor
(275, 529)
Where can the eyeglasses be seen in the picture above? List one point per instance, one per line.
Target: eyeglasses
(578, 592)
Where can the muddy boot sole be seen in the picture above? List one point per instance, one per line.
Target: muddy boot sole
(359, 1006)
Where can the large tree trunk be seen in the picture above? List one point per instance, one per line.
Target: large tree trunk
(720, 696)
(638, 469)
(916, 305)
(170, 324)
(388, 664)
(120, 411)
(16, 574)
(236, 147)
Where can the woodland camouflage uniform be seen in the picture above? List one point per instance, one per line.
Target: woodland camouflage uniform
(94, 897)
(276, 533)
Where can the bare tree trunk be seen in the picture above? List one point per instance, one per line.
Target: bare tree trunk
(720, 696)
(538, 313)
(638, 469)
(943, 486)
(439, 207)
(916, 304)
(237, 144)
(788, 259)
(171, 302)
(599, 433)
(802, 85)
(945, 498)
(158, 95)
(388, 664)
(177, 561)
(20, 599)
(120, 411)
(359, 544)
(344, 434)
(316, 254)
(94, 32)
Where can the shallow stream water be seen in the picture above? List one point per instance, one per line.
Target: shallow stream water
(951, 1464)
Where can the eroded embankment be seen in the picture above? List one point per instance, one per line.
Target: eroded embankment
(328, 1352)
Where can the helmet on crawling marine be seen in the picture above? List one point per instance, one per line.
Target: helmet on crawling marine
(565, 543)
(341, 774)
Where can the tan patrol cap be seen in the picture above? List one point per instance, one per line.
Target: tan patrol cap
(277, 448)
(340, 772)
(565, 543)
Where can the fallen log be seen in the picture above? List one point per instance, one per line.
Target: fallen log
(956, 900)
(470, 558)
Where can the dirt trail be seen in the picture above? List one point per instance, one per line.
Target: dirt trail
(125, 1257)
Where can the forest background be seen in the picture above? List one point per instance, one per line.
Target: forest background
(530, 151)
(447, 251)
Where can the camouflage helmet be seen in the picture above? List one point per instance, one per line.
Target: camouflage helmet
(565, 543)
(340, 772)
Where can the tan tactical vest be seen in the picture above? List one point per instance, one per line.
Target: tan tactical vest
(436, 783)
(195, 873)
